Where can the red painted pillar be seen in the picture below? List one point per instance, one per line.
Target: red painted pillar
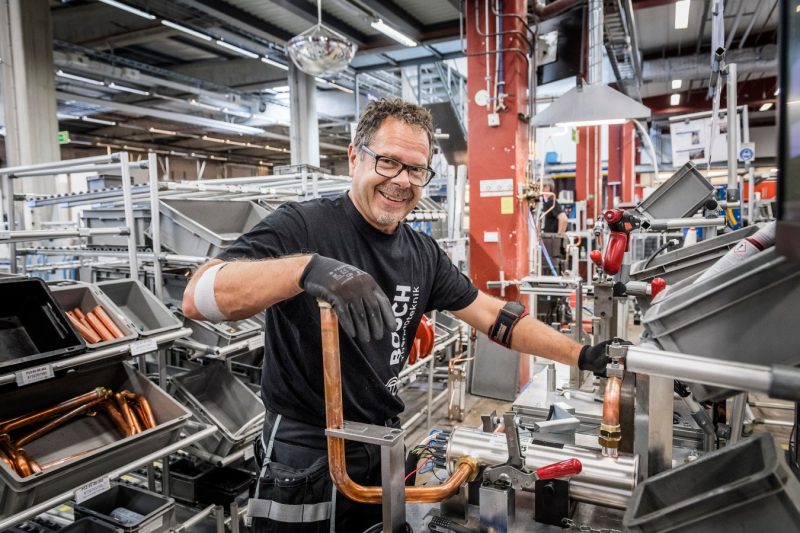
(588, 178)
(628, 163)
(497, 154)
(621, 163)
(614, 164)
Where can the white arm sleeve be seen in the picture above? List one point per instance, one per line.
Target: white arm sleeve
(204, 299)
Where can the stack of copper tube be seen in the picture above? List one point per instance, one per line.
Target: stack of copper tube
(129, 412)
(94, 326)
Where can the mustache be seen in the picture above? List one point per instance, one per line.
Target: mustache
(395, 191)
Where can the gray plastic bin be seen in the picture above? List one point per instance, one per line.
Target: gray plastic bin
(680, 196)
(679, 264)
(146, 312)
(744, 314)
(115, 218)
(222, 333)
(215, 396)
(743, 487)
(130, 509)
(108, 450)
(205, 227)
(72, 294)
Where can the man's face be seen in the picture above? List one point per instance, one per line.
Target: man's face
(385, 202)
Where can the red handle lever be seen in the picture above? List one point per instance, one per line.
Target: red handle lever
(597, 257)
(615, 252)
(656, 286)
(568, 467)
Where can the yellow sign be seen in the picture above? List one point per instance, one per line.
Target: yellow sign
(507, 205)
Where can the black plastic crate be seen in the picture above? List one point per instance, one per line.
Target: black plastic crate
(130, 509)
(184, 477)
(33, 328)
(221, 486)
(89, 525)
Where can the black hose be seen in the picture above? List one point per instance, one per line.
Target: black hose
(670, 242)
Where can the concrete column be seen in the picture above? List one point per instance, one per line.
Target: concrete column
(28, 92)
(304, 126)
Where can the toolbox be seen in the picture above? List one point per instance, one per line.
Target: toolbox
(33, 327)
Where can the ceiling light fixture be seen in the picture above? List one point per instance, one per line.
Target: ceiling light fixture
(674, 99)
(591, 105)
(127, 89)
(765, 107)
(274, 63)
(234, 48)
(197, 103)
(212, 139)
(99, 121)
(392, 33)
(676, 84)
(237, 143)
(682, 14)
(217, 158)
(266, 163)
(184, 29)
(67, 75)
(320, 51)
(335, 85)
(62, 116)
(129, 9)
(162, 132)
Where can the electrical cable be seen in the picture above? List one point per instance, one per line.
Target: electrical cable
(670, 242)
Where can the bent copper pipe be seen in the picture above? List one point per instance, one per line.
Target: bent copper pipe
(128, 414)
(44, 414)
(57, 423)
(117, 418)
(610, 431)
(334, 417)
(141, 407)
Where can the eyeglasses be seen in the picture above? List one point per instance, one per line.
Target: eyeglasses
(391, 168)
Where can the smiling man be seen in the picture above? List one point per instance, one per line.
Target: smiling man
(380, 276)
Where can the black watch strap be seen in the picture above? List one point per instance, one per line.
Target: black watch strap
(507, 319)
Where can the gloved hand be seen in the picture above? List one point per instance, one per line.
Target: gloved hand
(594, 358)
(361, 305)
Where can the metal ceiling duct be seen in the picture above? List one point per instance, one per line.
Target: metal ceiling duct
(320, 51)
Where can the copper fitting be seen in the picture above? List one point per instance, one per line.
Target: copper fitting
(610, 431)
(334, 417)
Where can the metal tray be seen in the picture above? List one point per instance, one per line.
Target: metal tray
(680, 196)
(72, 294)
(146, 312)
(108, 450)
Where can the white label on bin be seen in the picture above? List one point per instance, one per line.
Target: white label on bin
(92, 489)
(144, 346)
(249, 453)
(152, 526)
(256, 342)
(32, 375)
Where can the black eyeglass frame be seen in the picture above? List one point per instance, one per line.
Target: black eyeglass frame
(403, 166)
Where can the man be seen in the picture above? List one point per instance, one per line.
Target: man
(380, 276)
(555, 219)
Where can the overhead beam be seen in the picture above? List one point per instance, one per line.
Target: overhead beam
(308, 13)
(128, 38)
(395, 16)
(240, 18)
(410, 62)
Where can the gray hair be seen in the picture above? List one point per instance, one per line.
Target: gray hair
(379, 110)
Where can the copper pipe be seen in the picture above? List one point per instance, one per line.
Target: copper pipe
(32, 465)
(24, 468)
(142, 408)
(78, 313)
(334, 417)
(9, 463)
(7, 449)
(44, 414)
(127, 413)
(98, 326)
(107, 322)
(54, 424)
(610, 431)
(117, 418)
(88, 334)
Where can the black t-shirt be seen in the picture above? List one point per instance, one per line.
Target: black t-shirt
(551, 218)
(413, 271)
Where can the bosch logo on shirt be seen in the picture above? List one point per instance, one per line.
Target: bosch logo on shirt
(404, 305)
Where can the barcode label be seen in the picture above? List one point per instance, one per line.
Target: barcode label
(144, 346)
(256, 342)
(92, 489)
(32, 375)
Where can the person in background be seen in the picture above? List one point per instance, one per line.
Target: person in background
(555, 219)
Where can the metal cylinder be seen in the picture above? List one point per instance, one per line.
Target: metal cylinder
(551, 377)
(602, 481)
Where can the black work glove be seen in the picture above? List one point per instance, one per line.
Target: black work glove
(361, 305)
(594, 358)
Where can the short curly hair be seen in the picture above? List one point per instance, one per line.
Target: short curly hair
(379, 110)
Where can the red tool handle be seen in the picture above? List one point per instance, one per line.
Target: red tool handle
(568, 467)
(615, 252)
(656, 286)
(597, 257)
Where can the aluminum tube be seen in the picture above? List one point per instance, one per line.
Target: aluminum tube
(155, 223)
(84, 168)
(107, 158)
(195, 519)
(678, 223)
(46, 234)
(127, 203)
(692, 368)
(602, 481)
(142, 461)
(733, 130)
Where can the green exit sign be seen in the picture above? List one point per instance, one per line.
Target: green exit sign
(63, 137)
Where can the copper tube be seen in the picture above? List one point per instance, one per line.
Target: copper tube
(88, 334)
(54, 424)
(7, 449)
(24, 468)
(107, 322)
(98, 326)
(117, 418)
(334, 417)
(610, 430)
(142, 408)
(44, 414)
(78, 313)
(9, 463)
(127, 413)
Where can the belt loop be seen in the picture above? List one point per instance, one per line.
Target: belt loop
(268, 448)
